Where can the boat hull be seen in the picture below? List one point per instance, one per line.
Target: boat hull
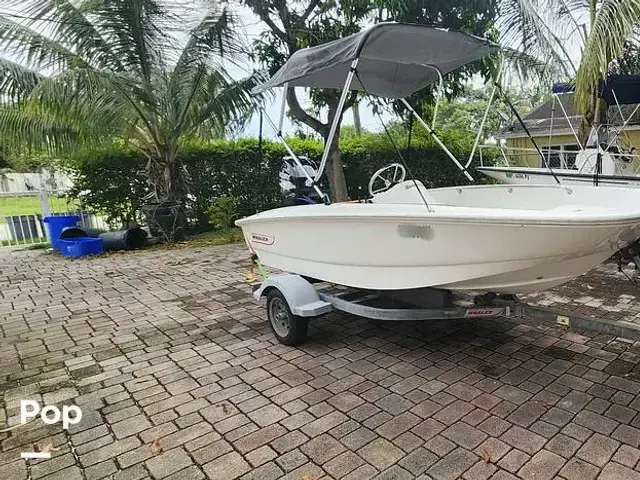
(394, 247)
(542, 176)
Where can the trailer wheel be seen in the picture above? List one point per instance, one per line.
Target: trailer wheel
(288, 328)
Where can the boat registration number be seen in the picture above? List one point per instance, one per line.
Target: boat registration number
(483, 312)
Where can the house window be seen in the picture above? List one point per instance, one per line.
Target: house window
(560, 156)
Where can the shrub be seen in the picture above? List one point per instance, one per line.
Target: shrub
(224, 212)
(233, 178)
(109, 182)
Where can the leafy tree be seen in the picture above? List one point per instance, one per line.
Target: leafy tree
(298, 24)
(548, 29)
(629, 61)
(81, 73)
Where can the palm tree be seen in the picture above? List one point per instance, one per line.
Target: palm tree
(578, 39)
(78, 73)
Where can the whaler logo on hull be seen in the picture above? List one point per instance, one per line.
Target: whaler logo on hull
(482, 312)
(263, 239)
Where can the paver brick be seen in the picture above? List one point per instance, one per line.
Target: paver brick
(563, 445)
(226, 467)
(615, 471)
(453, 465)
(523, 439)
(323, 424)
(464, 435)
(542, 466)
(268, 471)
(394, 404)
(440, 445)
(267, 415)
(596, 422)
(480, 471)
(289, 441)
(259, 438)
(323, 448)
(343, 464)
(513, 460)
(131, 426)
(576, 469)
(168, 462)
(397, 425)
(292, 460)
(260, 456)
(380, 453)
(627, 456)
(418, 461)
(598, 449)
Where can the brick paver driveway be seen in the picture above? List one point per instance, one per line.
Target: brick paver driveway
(178, 376)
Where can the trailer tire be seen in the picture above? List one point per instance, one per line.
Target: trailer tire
(288, 328)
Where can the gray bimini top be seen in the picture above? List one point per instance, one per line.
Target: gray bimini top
(394, 60)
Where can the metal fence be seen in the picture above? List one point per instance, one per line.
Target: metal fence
(22, 216)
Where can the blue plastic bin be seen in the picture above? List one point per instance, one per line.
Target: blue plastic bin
(55, 224)
(80, 246)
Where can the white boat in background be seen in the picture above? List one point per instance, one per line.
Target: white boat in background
(495, 238)
(603, 160)
(616, 170)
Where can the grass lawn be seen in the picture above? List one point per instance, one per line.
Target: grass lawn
(216, 237)
(30, 205)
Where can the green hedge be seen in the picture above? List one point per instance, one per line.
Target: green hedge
(113, 182)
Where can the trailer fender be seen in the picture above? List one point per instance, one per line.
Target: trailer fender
(302, 298)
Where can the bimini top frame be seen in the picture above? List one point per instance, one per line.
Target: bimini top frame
(392, 60)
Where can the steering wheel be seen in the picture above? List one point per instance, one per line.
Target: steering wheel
(389, 175)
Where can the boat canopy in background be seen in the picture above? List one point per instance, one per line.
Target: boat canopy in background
(626, 88)
(394, 60)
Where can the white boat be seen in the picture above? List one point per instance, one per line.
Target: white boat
(604, 161)
(616, 171)
(496, 238)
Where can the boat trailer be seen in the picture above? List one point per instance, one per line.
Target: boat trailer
(292, 300)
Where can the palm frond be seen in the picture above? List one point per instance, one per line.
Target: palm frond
(87, 100)
(66, 24)
(524, 29)
(16, 81)
(135, 29)
(199, 67)
(222, 102)
(34, 49)
(526, 68)
(614, 23)
(21, 130)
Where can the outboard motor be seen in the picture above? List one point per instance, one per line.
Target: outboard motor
(295, 185)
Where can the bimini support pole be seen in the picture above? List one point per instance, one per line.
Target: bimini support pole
(336, 119)
(481, 128)
(278, 133)
(440, 89)
(434, 135)
(564, 112)
(282, 107)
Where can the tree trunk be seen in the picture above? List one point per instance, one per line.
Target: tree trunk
(335, 171)
(169, 182)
